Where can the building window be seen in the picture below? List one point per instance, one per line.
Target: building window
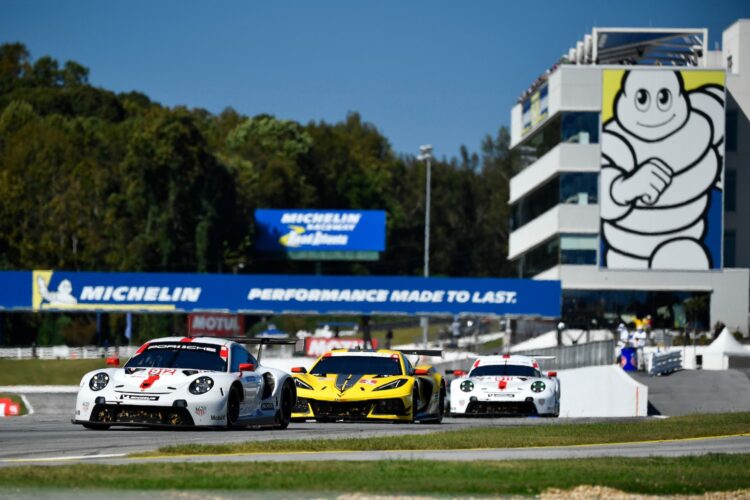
(579, 249)
(730, 190)
(570, 127)
(540, 141)
(580, 128)
(731, 130)
(539, 259)
(535, 203)
(578, 188)
(668, 309)
(730, 243)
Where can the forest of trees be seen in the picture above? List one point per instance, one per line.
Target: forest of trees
(99, 181)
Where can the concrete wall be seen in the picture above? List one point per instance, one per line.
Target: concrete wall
(601, 391)
(736, 45)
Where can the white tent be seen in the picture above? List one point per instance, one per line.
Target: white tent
(716, 355)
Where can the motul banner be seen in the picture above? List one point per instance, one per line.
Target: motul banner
(9, 408)
(317, 346)
(216, 325)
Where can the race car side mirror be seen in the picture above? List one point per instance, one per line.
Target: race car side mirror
(421, 371)
(112, 361)
(299, 369)
(247, 367)
(552, 374)
(459, 373)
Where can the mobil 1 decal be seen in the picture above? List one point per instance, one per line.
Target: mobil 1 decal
(662, 165)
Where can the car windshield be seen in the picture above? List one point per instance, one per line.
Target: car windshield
(504, 370)
(188, 355)
(375, 365)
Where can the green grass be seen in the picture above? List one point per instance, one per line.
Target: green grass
(662, 476)
(16, 399)
(409, 335)
(46, 371)
(498, 437)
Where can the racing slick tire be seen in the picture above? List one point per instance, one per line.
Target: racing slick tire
(438, 419)
(96, 427)
(284, 413)
(441, 406)
(414, 404)
(233, 409)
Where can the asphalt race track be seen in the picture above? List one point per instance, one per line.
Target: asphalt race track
(48, 437)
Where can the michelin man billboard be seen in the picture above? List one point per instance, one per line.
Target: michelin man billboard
(662, 169)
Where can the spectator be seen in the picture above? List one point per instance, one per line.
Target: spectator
(366, 336)
(388, 338)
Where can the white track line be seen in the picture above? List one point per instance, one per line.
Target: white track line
(60, 459)
(29, 408)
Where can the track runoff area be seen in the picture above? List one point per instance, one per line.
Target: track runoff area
(694, 454)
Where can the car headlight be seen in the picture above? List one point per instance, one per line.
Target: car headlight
(538, 386)
(201, 385)
(391, 385)
(302, 385)
(467, 386)
(99, 381)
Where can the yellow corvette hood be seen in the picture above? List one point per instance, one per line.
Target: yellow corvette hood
(353, 385)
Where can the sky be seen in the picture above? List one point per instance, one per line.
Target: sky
(422, 72)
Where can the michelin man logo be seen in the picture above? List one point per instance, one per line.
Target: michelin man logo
(661, 165)
(63, 295)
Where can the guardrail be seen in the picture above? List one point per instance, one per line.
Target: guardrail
(65, 352)
(662, 363)
(575, 356)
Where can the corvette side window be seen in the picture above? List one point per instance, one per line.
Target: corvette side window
(407, 365)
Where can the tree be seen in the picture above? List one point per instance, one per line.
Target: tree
(14, 65)
(75, 74)
(46, 72)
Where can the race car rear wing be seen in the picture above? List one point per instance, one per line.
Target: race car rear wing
(298, 344)
(422, 352)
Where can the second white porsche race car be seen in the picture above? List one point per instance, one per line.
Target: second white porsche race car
(505, 385)
(184, 381)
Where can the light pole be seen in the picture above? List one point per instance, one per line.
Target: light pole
(425, 153)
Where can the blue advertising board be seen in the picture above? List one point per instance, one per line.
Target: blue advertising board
(15, 289)
(319, 230)
(278, 294)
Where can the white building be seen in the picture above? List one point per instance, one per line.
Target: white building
(632, 160)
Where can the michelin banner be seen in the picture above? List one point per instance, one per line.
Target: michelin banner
(662, 169)
(339, 230)
(277, 294)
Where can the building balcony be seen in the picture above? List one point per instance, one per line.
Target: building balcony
(562, 158)
(578, 219)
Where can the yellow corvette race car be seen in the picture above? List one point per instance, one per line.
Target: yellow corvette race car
(353, 384)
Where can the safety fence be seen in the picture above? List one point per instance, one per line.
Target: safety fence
(665, 362)
(65, 352)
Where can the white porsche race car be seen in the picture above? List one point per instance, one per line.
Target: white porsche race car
(506, 385)
(184, 381)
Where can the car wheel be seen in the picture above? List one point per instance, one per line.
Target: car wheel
(96, 427)
(284, 413)
(440, 410)
(233, 409)
(441, 406)
(414, 403)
